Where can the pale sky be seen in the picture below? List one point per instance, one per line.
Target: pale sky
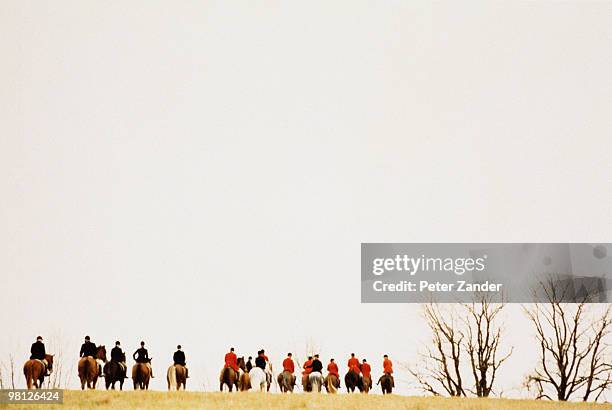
(203, 172)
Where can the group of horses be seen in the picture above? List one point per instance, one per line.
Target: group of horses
(91, 368)
(260, 380)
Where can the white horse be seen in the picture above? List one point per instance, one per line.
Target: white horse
(258, 379)
(316, 381)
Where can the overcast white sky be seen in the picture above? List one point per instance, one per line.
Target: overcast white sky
(203, 172)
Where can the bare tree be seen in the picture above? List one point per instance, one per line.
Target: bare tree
(574, 356)
(12, 370)
(7, 372)
(483, 338)
(440, 367)
(465, 338)
(62, 370)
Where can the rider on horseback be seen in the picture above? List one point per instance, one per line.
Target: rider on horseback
(388, 369)
(118, 357)
(142, 356)
(179, 358)
(366, 370)
(88, 348)
(37, 352)
(316, 365)
(332, 368)
(231, 360)
(307, 370)
(260, 360)
(353, 365)
(288, 365)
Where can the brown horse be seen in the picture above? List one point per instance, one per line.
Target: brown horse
(176, 377)
(141, 375)
(244, 381)
(34, 371)
(89, 370)
(286, 381)
(365, 384)
(229, 376)
(331, 383)
(386, 383)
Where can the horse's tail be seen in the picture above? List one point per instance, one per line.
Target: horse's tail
(27, 372)
(86, 369)
(171, 377)
(332, 385)
(140, 374)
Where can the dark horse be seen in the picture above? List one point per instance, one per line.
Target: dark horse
(115, 372)
(286, 381)
(89, 370)
(229, 377)
(34, 371)
(386, 383)
(141, 375)
(352, 381)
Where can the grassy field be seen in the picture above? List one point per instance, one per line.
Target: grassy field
(189, 400)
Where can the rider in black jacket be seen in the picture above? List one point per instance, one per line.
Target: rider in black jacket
(260, 361)
(179, 358)
(88, 348)
(142, 356)
(37, 352)
(316, 365)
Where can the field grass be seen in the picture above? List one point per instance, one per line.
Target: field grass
(190, 400)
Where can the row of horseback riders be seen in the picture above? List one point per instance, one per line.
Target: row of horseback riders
(357, 370)
(117, 355)
(92, 356)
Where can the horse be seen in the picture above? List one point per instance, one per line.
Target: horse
(34, 371)
(176, 377)
(315, 380)
(141, 375)
(244, 381)
(386, 383)
(89, 369)
(258, 379)
(229, 376)
(365, 384)
(351, 381)
(114, 372)
(305, 384)
(286, 381)
(331, 383)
